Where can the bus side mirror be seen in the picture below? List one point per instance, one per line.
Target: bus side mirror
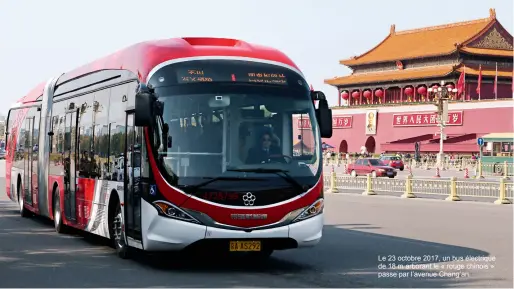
(143, 115)
(323, 115)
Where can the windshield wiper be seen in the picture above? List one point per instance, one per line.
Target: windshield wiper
(219, 178)
(279, 172)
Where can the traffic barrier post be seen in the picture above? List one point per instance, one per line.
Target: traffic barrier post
(437, 175)
(333, 181)
(502, 199)
(369, 188)
(408, 189)
(466, 173)
(505, 170)
(480, 176)
(453, 190)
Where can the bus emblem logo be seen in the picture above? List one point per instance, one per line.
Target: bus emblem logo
(153, 190)
(249, 199)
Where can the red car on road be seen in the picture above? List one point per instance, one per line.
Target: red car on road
(375, 167)
(393, 161)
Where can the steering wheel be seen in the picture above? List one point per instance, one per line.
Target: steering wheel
(285, 159)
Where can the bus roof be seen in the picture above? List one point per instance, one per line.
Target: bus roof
(140, 58)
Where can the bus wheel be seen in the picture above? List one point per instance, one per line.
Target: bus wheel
(59, 227)
(117, 232)
(23, 212)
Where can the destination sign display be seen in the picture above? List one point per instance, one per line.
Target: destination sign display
(266, 77)
(201, 75)
(192, 75)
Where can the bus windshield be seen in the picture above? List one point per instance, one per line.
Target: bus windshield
(240, 131)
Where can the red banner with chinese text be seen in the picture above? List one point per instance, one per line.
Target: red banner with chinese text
(426, 119)
(344, 121)
(303, 123)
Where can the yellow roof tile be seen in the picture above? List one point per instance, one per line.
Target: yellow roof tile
(413, 73)
(482, 51)
(423, 42)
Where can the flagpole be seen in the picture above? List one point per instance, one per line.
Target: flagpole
(480, 82)
(464, 96)
(496, 83)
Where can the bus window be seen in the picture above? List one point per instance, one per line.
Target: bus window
(86, 166)
(117, 133)
(303, 146)
(101, 132)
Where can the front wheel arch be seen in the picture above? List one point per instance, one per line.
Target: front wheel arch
(122, 251)
(18, 188)
(114, 199)
(54, 188)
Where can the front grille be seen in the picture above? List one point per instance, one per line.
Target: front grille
(248, 198)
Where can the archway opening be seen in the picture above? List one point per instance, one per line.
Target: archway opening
(343, 147)
(370, 145)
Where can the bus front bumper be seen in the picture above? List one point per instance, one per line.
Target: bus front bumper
(166, 234)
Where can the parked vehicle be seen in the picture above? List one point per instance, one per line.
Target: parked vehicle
(393, 161)
(2, 154)
(375, 167)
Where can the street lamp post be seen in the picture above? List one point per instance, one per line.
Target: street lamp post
(441, 96)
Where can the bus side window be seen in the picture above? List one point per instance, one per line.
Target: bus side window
(131, 92)
(117, 116)
(87, 164)
(101, 132)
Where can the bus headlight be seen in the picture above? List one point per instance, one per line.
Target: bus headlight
(313, 210)
(174, 212)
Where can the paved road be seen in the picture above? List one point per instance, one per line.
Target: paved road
(427, 174)
(359, 229)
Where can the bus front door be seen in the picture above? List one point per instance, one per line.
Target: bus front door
(132, 177)
(70, 159)
(27, 159)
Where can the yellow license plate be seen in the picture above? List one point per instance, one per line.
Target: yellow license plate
(245, 246)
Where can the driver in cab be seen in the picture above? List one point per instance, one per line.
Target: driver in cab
(262, 152)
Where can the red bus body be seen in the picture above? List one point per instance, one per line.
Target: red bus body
(138, 63)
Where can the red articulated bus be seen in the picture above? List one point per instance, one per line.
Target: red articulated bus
(173, 144)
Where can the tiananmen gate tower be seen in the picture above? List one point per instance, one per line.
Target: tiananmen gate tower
(385, 106)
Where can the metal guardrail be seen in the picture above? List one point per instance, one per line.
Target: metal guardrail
(503, 191)
(477, 168)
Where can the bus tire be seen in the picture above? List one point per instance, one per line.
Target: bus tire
(115, 229)
(56, 205)
(21, 202)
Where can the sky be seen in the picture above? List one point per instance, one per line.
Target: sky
(40, 39)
